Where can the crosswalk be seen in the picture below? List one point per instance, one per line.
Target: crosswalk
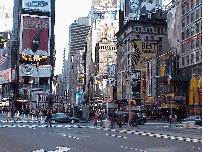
(59, 149)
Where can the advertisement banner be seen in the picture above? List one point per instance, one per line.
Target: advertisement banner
(31, 70)
(35, 35)
(141, 51)
(4, 59)
(134, 8)
(136, 83)
(173, 21)
(5, 76)
(42, 6)
(104, 4)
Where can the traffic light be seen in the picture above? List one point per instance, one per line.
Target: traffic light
(80, 79)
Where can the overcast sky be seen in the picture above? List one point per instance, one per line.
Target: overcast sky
(66, 12)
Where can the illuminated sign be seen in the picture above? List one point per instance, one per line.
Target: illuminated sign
(44, 5)
(34, 57)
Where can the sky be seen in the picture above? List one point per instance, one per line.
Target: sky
(67, 11)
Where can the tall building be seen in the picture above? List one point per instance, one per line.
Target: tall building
(190, 58)
(138, 41)
(33, 51)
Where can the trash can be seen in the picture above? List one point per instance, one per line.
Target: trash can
(106, 124)
(185, 125)
(191, 124)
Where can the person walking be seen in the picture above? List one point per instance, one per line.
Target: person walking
(12, 114)
(135, 120)
(120, 119)
(18, 115)
(9, 116)
(49, 117)
(95, 119)
(131, 120)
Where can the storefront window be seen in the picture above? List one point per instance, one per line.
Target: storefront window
(192, 58)
(197, 56)
(187, 59)
(183, 61)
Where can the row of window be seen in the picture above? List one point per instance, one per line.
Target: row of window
(190, 59)
(148, 29)
(191, 45)
(106, 59)
(106, 53)
(194, 16)
(189, 5)
(190, 32)
(107, 47)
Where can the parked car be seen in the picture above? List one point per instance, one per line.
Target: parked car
(62, 117)
(141, 118)
(197, 119)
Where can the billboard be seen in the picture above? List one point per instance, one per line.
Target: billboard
(134, 8)
(35, 35)
(4, 59)
(31, 70)
(104, 4)
(136, 82)
(173, 21)
(7, 75)
(141, 51)
(42, 6)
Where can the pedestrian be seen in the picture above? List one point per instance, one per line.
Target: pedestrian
(113, 120)
(101, 119)
(87, 116)
(49, 117)
(95, 119)
(9, 115)
(131, 120)
(12, 114)
(135, 120)
(18, 115)
(120, 119)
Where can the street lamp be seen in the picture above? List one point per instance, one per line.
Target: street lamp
(38, 84)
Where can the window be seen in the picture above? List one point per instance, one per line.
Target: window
(110, 53)
(183, 61)
(183, 22)
(158, 30)
(187, 47)
(197, 2)
(197, 56)
(101, 58)
(101, 53)
(183, 9)
(150, 30)
(197, 42)
(132, 27)
(160, 38)
(146, 38)
(183, 36)
(106, 59)
(161, 30)
(187, 33)
(192, 44)
(110, 59)
(105, 64)
(106, 53)
(192, 17)
(143, 28)
(138, 36)
(188, 6)
(140, 29)
(152, 37)
(197, 28)
(192, 4)
(187, 59)
(197, 14)
(192, 31)
(147, 30)
(188, 20)
(183, 48)
(192, 58)
(136, 28)
(101, 64)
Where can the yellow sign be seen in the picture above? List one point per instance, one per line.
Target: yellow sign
(140, 52)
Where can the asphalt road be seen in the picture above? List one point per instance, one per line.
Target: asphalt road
(26, 137)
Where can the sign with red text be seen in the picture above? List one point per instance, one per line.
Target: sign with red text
(35, 35)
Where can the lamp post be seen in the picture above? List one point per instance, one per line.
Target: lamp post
(38, 85)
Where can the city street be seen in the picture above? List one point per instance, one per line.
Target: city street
(153, 136)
